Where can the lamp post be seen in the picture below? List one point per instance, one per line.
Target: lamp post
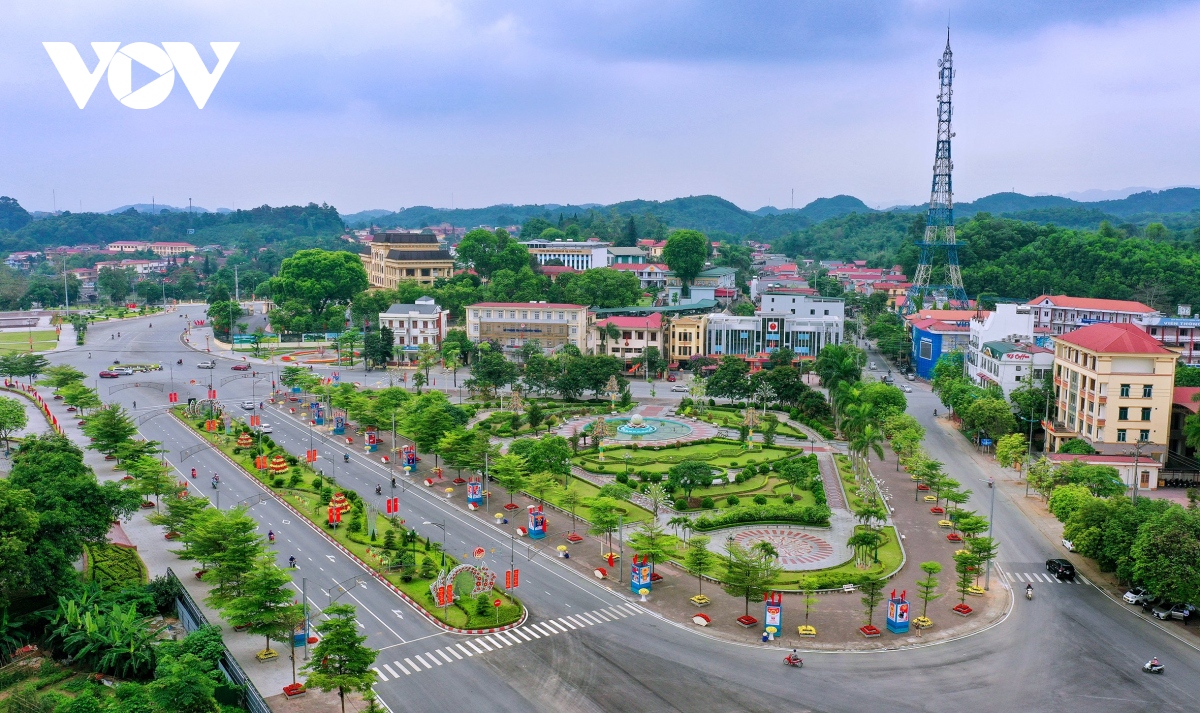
(1137, 456)
(987, 580)
(442, 525)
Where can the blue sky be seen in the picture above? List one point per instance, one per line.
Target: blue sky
(386, 104)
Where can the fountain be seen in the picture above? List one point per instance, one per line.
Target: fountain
(636, 426)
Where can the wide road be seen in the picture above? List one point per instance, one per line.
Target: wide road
(588, 648)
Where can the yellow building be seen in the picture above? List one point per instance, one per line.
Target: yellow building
(397, 255)
(686, 335)
(511, 324)
(1113, 387)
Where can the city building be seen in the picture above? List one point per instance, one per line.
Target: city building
(686, 337)
(1010, 365)
(653, 248)
(1176, 332)
(22, 260)
(141, 267)
(651, 275)
(801, 302)
(1113, 387)
(1181, 456)
(393, 256)
(931, 338)
(1126, 466)
(803, 323)
(163, 249)
(581, 255)
(1061, 314)
(715, 283)
(412, 325)
(636, 335)
(626, 256)
(511, 324)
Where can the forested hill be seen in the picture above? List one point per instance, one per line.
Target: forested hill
(1177, 208)
(18, 231)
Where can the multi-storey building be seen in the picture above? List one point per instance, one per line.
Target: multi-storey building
(803, 323)
(1176, 332)
(164, 249)
(936, 332)
(686, 336)
(397, 255)
(581, 255)
(1015, 353)
(634, 336)
(651, 276)
(511, 324)
(626, 256)
(715, 283)
(1060, 314)
(1113, 388)
(412, 325)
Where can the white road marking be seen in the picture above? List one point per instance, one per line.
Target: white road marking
(380, 674)
(602, 615)
(497, 641)
(616, 612)
(456, 654)
(472, 645)
(431, 658)
(484, 644)
(398, 613)
(464, 650)
(580, 621)
(556, 625)
(522, 633)
(390, 671)
(443, 655)
(545, 629)
(566, 622)
(401, 667)
(589, 617)
(411, 664)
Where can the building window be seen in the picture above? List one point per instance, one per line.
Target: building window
(512, 314)
(424, 272)
(411, 272)
(560, 315)
(537, 315)
(1145, 414)
(524, 314)
(487, 314)
(1125, 390)
(1143, 435)
(1147, 391)
(926, 349)
(1123, 413)
(654, 336)
(399, 340)
(1120, 435)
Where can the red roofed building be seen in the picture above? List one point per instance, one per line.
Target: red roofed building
(553, 271)
(1062, 314)
(1113, 387)
(634, 335)
(652, 275)
(1185, 403)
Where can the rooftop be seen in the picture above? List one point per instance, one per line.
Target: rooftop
(1114, 339)
(938, 326)
(534, 305)
(1185, 396)
(422, 308)
(1102, 459)
(1092, 303)
(697, 307)
(404, 237)
(650, 321)
(627, 251)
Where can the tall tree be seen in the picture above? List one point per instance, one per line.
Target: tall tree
(12, 418)
(340, 661)
(685, 253)
(510, 471)
(750, 573)
(262, 607)
(698, 559)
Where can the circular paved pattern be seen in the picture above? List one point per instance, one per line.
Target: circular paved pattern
(797, 549)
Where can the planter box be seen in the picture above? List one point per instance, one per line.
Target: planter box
(294, 691)
(655, 577)
(600, 573)
(747, 621)
(573, 537)
(146, 504)
(458, 481)
(922, 486)
(701, 619)
(870, 632)
(954, 537)
(809, 631)
(937, 511)
(962, 610)
(974, 592)
(922, 622)
(512, 506)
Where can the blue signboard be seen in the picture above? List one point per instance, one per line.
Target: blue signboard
(985, 441)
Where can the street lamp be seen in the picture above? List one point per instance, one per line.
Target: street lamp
(1137, 455)
(442, 525)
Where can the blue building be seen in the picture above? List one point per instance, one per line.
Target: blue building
(931, 338)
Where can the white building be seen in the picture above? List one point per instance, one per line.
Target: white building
(798, 303)
(415, 324)
(581, 255)
(803, 323)
(1062, 315)
(996, 349)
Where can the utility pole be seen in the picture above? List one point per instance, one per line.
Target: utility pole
(987, 580)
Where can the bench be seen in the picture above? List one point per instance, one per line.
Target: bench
(849, 588)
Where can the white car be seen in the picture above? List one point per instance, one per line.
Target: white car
(266, 428)
(207, 365)
(123, 371)
(906, 388)
(1068, 544)
(679, 388)
(248, 405)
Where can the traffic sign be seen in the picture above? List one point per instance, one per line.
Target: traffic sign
(985, 441)
(497, 603)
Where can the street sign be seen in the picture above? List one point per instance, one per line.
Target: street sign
(497, 603)
(985, 441)
(478, 553)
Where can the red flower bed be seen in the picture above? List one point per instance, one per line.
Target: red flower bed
(922, 486)
(937, 511)
(146, 504)
(512, 506)
(655, 577)
(458, 481)
(293, 689)
(962, 609)
(869, 631)
(954, 537)
(747, 621)
(574, 537)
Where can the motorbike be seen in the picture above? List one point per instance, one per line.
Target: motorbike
(935, 413)
(794, 661)
(379, 490)
(1029, 594)
(179, 361)
(345, 457)
(1153, 666)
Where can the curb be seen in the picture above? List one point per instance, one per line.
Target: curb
(370, 570)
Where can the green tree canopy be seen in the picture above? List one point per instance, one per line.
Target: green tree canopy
(685, 253)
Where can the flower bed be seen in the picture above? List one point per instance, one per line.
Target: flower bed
(294, 689)
(954, 537)
(806, 630)
(962, 609)
(922, 622)
(747, 621)
(701, 619)
(869, 631)
(813, 515)
(937, 511)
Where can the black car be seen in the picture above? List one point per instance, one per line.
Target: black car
(1060, 568)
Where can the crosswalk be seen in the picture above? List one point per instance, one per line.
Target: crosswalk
(1041, 577)
(481, 645)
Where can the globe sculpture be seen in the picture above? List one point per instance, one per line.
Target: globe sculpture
(636, 426)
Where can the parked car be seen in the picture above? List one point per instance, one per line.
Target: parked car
(207, 365)
(679, 387)
(910, 376)
(1162, 611)
(670, 377)
(248, 405)
(1060, 568)
(1136, 595)
(240, 367)
(106, 374)
(1068, 544)
(1183, 611)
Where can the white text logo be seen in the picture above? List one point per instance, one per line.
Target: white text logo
(164, 61)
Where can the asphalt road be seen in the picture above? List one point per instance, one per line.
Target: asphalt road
(588, 648)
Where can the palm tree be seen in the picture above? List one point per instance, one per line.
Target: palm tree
(766, 549)
(678, 522)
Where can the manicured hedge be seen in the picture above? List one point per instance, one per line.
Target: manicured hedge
(816, 515)
(114, 567)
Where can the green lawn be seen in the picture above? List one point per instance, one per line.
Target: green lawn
(720, 455)
(43, 340)
(633, 513)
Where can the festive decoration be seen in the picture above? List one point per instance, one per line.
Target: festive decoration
(484, 581)
(537, 522)
(279, 465)
(245, 440)
(897, 613)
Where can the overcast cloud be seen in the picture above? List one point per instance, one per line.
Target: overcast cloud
(387, 104)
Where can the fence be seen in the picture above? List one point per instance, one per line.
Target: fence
(192, 618)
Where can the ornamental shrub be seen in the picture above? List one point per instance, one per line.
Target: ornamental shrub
(750, 471)
(811, 515)
(277, 483)
(732, 500)
(788, 500)
(622, 478)
(733, 464)
(681, 504)
(760, 499)
(707, 503)
(483, 604)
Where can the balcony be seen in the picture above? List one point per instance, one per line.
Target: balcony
(1101, 399)
(1058, 428)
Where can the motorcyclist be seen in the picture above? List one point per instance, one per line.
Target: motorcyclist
(378, 489)
(271, 536)
(193, 472)
(1029, 591)
(935, 413)
(292, 561)
(1154, 661)
(89, 355)
(792, 657)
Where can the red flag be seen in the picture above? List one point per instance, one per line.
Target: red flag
(508, 579)
(612, 561)
(516, 578)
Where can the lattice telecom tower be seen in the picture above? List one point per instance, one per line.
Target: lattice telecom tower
(939, 226)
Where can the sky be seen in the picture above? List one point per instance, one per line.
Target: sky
(384, 104)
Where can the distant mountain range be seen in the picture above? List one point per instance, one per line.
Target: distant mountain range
(159, 207)
(713, 214)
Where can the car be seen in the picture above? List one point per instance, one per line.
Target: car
(207, 365)
(106, 374)
(248, 405)
(1162, 611)
(266, 428)
(679, 387)
(1060, 568)
(670, 377)
(910, 376)
(1183, 611)
(240, 367)
(123, 371)
(906, 388)
(1136, 595)
(1068, 544)
(871, 365)
(888, 380)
